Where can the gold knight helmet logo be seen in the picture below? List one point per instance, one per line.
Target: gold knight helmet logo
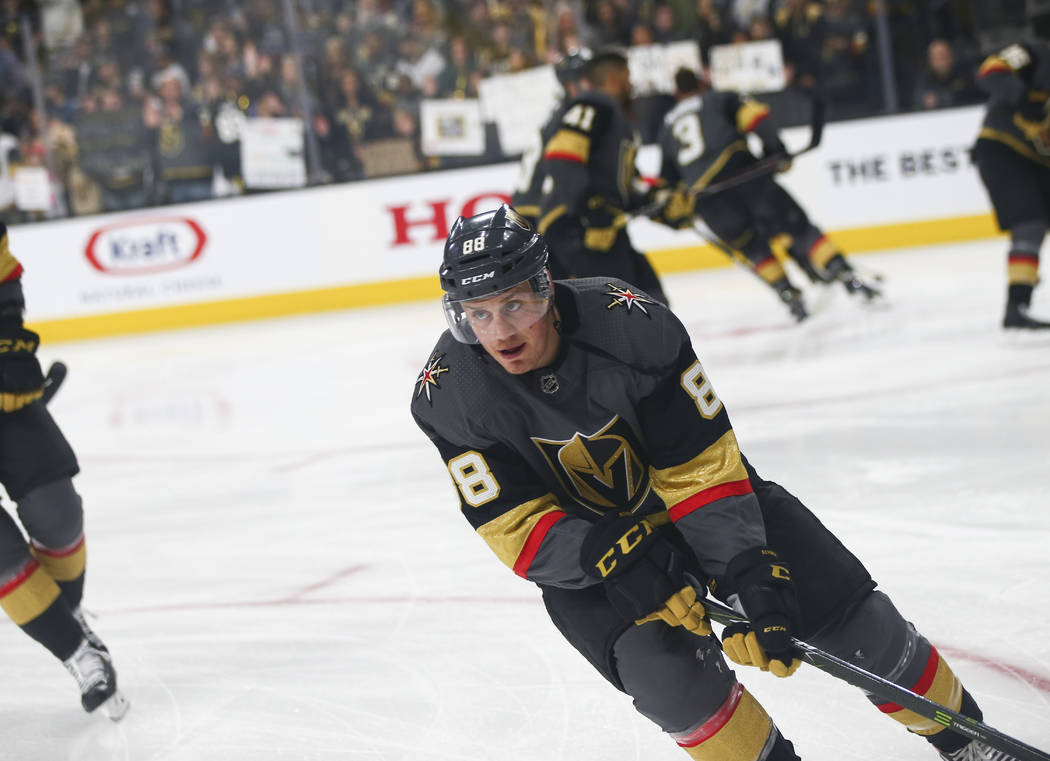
(602, 471)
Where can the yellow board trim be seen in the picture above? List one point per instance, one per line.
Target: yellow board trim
(852, 241)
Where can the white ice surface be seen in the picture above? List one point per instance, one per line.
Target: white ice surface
(278, 565)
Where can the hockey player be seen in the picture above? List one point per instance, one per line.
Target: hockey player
(589, 164)
(42, 581)
(569, 70)
(703, 140)
(591, 452)
(1013, 157)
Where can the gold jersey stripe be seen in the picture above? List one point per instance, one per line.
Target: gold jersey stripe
(742, 738)
(567, 144)
(62, 566)
(1015, 143)
(992, 64)
(719, 163)
(29, 594)
(750, 114)
(8, 264)
(508, 534)
(719, 464)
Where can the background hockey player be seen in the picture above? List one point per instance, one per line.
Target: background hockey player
(592, 454)
(588, 165)
(703, 140)
(1013, 156)
(42, 580)
(570, 69)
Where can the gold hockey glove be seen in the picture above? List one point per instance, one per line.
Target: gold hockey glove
(21, 379)
(682, 609)
(675, 207)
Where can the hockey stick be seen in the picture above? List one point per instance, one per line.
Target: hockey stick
(894, 693)
(770, 164)
(760, 168)
(53, 381)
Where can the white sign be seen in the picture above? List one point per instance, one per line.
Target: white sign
(33, 189)
(272, 153)
(748, 67)
(519, 104)
(451, 127)
(653, 66)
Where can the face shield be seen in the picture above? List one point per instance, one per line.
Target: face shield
(500, 315)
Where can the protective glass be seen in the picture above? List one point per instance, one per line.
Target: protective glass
(490, 318)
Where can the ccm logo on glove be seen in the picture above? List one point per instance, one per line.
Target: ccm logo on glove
(628, 541)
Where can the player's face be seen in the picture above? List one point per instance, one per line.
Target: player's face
(516, 328)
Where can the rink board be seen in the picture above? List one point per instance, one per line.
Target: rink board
(872, 184)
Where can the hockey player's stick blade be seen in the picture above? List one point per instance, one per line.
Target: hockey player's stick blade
(894, 693)
(53, 381)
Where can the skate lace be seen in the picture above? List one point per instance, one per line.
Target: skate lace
(88, 667)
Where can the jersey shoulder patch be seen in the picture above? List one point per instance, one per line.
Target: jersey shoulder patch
(626, 322)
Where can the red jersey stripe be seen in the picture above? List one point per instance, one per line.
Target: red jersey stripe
(532, 544)
(707, 496)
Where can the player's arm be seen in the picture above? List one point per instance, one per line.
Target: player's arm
(696, 465)
(1002, 75)
(21, 379)
(566, 159)
(752, 116)
(507, 506)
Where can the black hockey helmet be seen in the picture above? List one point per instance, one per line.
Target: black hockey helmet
(486, 255)
(572, 66)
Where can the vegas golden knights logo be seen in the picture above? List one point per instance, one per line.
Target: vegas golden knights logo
(602, 470)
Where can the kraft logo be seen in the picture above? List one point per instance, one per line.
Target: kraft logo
(477, 278)
(145, 246)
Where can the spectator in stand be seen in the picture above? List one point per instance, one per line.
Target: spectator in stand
(114, 149)
(845, 60)
(801, 29)
(944, 81)
(359, 117)
(711, 28)
(609, 24)
(664, 27)
(461, 75)
(183, 143)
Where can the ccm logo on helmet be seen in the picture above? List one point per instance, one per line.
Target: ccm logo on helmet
(477, 278)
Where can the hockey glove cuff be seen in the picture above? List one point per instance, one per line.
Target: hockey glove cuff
(21, 379)
(643, 573)
(762, 584)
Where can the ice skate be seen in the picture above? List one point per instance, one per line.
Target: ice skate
(94, 639)
(1017, 317)
(97, 680)
(977, 751)
(792, 297)
(839, 269)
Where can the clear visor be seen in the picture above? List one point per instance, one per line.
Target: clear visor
(501, 315)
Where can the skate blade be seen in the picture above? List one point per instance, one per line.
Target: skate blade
(115, 707)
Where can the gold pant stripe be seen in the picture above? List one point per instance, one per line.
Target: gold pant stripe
(29, 594)
(944, 688)
(1022, 273)
(62, 565)
(822, 252)
(741, 738)
(770, 270)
